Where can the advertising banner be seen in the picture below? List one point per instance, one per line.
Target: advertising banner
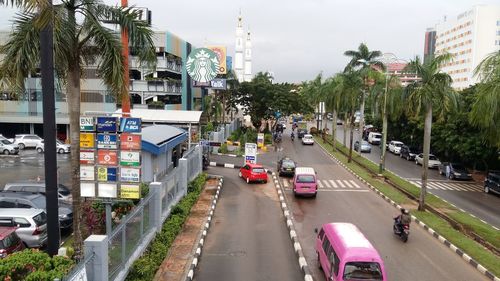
(87, 173)
(106, 173)
(107, 141)
(87, 124)
(197, 84)
(130, 141)
(130, 158)
(202, 65)
(220, 51)
(218, 84)
(251, 153)
(107, 190)
(87, 157)
(130, 174)
(130, 125)
(87, 189)
(107, 124)
(130, 191)
(107, 157)
(87, 140)
(260, 140)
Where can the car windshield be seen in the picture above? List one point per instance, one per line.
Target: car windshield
(59, 142)
(287, 164)
(432, 157)
(362, 271)
(9, 241)
(258, 170)
(40, 219)
(5, 142)
(398, 144)
(63, 190)
(305, 179)
(39, 202)
(364, 143)
(458, 167)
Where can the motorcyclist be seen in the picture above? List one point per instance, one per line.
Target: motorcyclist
(402, 219)
(292, 135)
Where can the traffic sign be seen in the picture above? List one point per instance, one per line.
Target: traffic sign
(87, 140)
(251, 153)
(107, 157)
(107, 141)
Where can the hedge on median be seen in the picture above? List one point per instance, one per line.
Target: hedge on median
(146, 266)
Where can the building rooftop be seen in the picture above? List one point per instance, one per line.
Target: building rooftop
(164, 116)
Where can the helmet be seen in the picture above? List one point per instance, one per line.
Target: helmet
(404, 211)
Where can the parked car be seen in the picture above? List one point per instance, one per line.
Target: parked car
(63, 192)
(12, 199)
(24, 141)
(253, 172)
(433, 161)
(365, 146)
(2, 137)
(60, 147)
(408, 152)
(374, 137)
(301, 132)
(7, 147)
(395, 147)
(492, 182)
(9, 241)
(31, 225)
(340, 122)
(286, 167)
(457, 171)
(308, 139)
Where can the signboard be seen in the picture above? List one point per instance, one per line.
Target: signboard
(220, 51)
(130, 191)
(107, 157)
(204, 143)
(197, 84)
(229, 63)
(202, 65)
(107, 190)
(87, 173)
(130, 125)
(130, 158)
(107, 124)
(87, 140)
(130, 174)
(87, 157)
(87, 124)
(213, 143)
(251, 153)
(218, 84)
(107, 141)
(130, 141)
(260, 140)
(106, 173)
(87, 189)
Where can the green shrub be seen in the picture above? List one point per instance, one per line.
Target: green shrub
(313, 131)
(34, 265)
(223, 148)
(146, 266)
(268, 139)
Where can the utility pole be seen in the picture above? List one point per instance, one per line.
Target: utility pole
(49, 134)
(125, 54)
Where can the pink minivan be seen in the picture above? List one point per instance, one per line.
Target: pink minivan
(345, 254)
(304, 182)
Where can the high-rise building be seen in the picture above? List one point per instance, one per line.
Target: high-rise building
(242, 53)
(248, 58)
(470, 37)
(430, 44)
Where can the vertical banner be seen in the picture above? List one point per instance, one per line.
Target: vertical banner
(260, 140)
(220, 51)
(250, 153)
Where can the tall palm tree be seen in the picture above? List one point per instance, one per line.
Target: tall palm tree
(432, 94)
(333, 95)
(80, 38)
(364, 60)
(486, 109)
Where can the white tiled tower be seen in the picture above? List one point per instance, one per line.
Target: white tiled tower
(238, 50)
(248, 58)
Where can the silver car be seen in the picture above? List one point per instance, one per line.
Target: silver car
(31, 223)
(63, 192)
(7, 147)
(28, 140)
(60, 147)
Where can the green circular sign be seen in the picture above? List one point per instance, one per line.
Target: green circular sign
(202, 65)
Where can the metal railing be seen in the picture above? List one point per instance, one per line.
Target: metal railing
(78, 269)
(194, 162)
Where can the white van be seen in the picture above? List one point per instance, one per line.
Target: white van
(374, 138)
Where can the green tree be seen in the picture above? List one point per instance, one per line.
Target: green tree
(80, 38)
(432, 94)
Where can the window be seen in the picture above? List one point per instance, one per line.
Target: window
(362, 270)
(305, 179)
(24, 204)
(22, 222)
(7, 204)
(334, 262)
(40, 219)
(321, 234)
(326, 245)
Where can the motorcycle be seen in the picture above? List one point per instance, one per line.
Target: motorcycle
(401, 230)
(293, 137)
(206, 162)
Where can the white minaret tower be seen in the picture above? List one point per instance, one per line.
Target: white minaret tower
(238, 50)
(248, 58)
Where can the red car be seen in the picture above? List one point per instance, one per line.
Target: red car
(253, 172)
(9, 241)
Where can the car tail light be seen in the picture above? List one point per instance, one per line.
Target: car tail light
(37, 231)
(3, 253)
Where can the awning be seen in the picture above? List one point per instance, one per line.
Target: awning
(158, 139)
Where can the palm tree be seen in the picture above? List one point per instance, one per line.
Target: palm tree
(433, 93)
(364, 60)
(486, 109)
(80, 38)
(333, 94)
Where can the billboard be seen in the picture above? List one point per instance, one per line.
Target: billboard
(107, 124)
(87, 189)
(87, 173)
(220, 51)
(130, 125)
(130, 191)
(128, 174)
(202, 65)
(130, 141)
(107, 141)
(130, 158)
(87, 140)
(87, 124)
(87, 157)
(107, 190)
(107, 157)
(218, 84)
(106, 173)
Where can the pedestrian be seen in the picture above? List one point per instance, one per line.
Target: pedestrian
(447, 170)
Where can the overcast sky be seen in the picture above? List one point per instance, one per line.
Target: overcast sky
(297, 39)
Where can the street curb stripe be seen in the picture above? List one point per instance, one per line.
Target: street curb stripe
(206, 227)
(440, 238)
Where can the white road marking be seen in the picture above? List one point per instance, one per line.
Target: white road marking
(341, 183)
(345, 190)
(325, 182)
(347, 183)
(285, 183)
(320, 184)
(333, 184)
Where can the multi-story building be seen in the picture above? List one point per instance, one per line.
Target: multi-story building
(469, 37)
(168, 83)
(430, 44)
(398, 69)
(242, 53)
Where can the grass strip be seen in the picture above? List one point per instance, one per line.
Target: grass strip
(468, 245)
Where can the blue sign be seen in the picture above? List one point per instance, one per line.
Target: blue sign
(107, 124)
(250, 158)
(112, 173)
(130, 125)
(107, 141)
(218, 83)
(229, 63)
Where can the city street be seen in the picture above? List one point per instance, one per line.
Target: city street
(248, 239)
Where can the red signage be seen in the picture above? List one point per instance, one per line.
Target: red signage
(107, 157)
(130, 141)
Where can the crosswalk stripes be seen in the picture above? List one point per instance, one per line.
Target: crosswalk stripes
(450, 186)
(333, 183)
(328, 184)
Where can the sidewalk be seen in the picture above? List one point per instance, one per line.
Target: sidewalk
(175, 266)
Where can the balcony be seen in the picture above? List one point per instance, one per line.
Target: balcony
(155, 86)
(161, 64)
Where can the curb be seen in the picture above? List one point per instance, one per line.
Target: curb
(223, 154)
(293, 234)
(225, 165)
(206, 226)
(436, 235)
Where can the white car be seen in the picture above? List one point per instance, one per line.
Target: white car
(395, 147)
(433, 161)
(24, 141)
(7, 147)
(308, 139)
(60, 147)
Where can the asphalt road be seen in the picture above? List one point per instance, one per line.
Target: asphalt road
(248, 239)
(342, 198)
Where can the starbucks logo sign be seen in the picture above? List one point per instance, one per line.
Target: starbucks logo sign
(202, 65)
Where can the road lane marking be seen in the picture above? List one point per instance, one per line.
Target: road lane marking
(333, 184)
(325, 182)
(355, 184)
(341, 184)
(320, 184)
(347, 183)
(458, 186)
(345, 190)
